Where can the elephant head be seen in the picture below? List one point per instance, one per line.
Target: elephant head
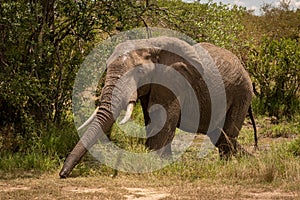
(131, 62)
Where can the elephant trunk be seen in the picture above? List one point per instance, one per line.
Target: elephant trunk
(101, 125)
(72, 159)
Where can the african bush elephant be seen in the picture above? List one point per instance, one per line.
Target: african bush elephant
(150, 58)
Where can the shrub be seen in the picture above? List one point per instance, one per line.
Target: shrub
(294, 147)
(274, 66)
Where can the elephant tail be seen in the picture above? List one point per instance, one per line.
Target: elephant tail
(250, 112)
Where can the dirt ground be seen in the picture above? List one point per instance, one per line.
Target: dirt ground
(140, 187)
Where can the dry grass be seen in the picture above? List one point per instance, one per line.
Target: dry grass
(140, 187)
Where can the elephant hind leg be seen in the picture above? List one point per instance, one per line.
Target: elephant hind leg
(230, 147)
(227, 142)
(227, 146)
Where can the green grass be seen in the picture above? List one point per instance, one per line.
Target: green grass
(274, 166)
(276, 162)
(27, 161)
(43, 150)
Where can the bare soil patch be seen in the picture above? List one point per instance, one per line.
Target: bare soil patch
(145, 194)
(142, 187)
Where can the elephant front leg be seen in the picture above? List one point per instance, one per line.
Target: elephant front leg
(161, 129)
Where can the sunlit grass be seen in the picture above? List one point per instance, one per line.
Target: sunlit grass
(275, 163)
(278, 162)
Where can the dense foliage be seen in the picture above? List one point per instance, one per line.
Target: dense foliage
(42, 45)
(275, 67)
(44, 42)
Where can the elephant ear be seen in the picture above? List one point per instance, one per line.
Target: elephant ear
(173, 50)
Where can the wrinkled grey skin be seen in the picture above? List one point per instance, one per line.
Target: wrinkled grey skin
(238, 88)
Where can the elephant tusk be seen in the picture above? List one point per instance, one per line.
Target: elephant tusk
(89, 120)
(128, 113)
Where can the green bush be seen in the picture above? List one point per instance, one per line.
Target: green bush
(275, 68)
(294, 147)
(43, 149)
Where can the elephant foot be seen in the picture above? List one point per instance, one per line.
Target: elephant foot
(165, 152)
(226, 151)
